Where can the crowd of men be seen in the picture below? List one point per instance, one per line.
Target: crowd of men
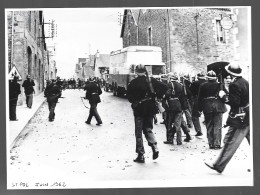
(181, 97)
(178, 96)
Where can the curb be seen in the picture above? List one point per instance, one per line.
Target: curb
(23, 132)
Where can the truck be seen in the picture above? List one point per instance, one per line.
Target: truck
(123, 62)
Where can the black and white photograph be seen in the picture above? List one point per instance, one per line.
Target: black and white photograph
(128, 97)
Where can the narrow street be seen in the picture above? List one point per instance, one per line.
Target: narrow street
(77, 155)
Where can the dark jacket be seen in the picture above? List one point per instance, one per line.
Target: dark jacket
(139, 94)
(175, 97)
(208, 100)
(14, 90)
(52, 92)
(238, 94)
(93, 92)
(194, 89)
(28, 86)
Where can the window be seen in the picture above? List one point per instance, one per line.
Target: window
(220, 32)
(149, 36)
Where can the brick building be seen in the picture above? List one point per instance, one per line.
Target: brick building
(190, 38)
(27, 47)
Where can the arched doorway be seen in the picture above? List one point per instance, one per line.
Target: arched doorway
(29, 55)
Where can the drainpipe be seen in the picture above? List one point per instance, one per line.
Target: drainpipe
(168, 14)
(12, 43)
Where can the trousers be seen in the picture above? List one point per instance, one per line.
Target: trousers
(52, 105)
(93, 112)
(29, 100)
(214, 124)
(12, 109)
(144, 125)
(173, 126)
(233, 139)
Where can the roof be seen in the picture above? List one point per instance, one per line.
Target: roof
(134, 13)
(138, 48)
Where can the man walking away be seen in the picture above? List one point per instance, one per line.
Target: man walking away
(194, 88)
(238, 121)
(141, 92)
(14, 91)
(52, 92)
(92, 94)
(213, 109)
(29, 90)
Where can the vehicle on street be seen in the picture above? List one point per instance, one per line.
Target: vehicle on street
(123, 62)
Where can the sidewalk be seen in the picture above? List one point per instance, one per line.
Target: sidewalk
(24, 115)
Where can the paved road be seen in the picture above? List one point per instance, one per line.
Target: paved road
(68, 153)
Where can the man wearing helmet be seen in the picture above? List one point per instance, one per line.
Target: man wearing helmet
(238, 99)
(141, 92)
(194, 88)
(213, 109)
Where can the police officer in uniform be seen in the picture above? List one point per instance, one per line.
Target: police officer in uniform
(93, 91)
(238, 99)
(140, 95)
(194, 88)
(213, 109)
(175, 101)
(14, 91)
(52, 92)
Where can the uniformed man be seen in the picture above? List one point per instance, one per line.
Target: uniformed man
(187, 99)
(14, 91)
(238, 99)
(93, 91)
(174, 112)
(141, 92)
(213, 109)
(52, 93)
(29, 90)
(194, 88)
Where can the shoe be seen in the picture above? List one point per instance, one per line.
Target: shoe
(168, 142)
(51, 120)
(13, 119)
(188, 138)
(199, 133)
(155, 152)
(211, 146)
(217, 147)
(87, 122)
(213, 167)
(98, 124)
(162, 122)
(189, 125)
(155, 155)
(179, 143)
(139, 159)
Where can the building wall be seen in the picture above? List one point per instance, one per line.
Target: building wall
(186, 48)
(28, 46)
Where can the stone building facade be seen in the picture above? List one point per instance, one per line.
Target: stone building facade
(190, 38)
(27, 47)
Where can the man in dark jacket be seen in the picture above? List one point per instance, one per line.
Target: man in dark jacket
(187, 99)
(52, 92)
(194, 88)
(14, 91)
(142, 97)
(238, 99)
(174, 118)
(213, 109)
(29, 90)
(93, 91)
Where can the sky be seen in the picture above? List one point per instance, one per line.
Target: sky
(80, 32)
